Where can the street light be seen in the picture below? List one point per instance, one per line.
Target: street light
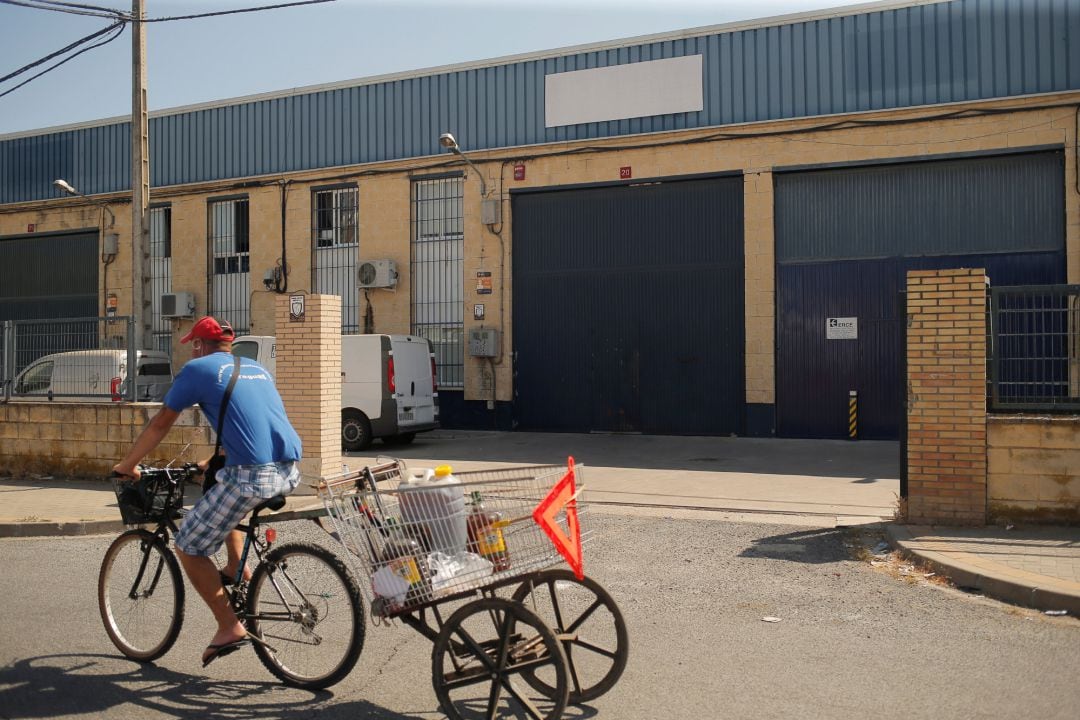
(447, 141)
(66, 187)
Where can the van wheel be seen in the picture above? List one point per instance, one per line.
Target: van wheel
(355, 431)
(400, 439)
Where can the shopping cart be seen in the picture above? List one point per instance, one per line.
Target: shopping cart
(477, 566)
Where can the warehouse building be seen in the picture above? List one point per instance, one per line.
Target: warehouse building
(701, 232)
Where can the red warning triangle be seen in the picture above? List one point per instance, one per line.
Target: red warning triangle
(563, 495)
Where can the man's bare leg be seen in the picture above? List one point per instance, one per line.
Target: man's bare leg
(234, 546)
(207, 582)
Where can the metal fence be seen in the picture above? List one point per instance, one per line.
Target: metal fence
(79, 358)
(1034, 351)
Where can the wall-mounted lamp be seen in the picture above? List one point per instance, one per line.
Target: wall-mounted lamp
(447, 141)
(66, 187)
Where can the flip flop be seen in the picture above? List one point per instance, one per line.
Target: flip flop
(223, 649)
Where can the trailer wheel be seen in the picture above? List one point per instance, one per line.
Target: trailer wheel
(355, 431)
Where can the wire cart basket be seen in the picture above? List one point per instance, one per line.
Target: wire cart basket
(431, 542)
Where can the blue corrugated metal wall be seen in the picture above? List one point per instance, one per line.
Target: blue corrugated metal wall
(926, 54)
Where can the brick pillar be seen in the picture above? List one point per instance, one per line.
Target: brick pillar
(946, 379)
(309, 380)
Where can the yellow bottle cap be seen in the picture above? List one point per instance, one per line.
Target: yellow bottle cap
(443, 471)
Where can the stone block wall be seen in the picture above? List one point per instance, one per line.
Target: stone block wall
(1033, 468)
(87, 439)
(946, 377)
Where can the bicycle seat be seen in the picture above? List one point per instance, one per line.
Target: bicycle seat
(275, 503)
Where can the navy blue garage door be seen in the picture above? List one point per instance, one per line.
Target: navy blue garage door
(845, 239)
(628, 308)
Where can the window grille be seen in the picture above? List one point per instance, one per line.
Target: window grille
(438, 241)
(335, 243)
(160, 274)
(230, 278)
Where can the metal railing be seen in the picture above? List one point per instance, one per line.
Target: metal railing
(79, 358)
(1034, 350)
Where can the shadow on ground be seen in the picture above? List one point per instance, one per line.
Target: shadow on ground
(70, 685)
(822, 545)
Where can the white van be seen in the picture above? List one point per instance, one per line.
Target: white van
(95, 375)
(388, 386)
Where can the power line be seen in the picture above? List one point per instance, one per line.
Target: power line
(69, 8)
(233, 12)
(61, 51)
(119, 27)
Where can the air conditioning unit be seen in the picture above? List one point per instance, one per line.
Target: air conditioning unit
(377, 274)
(176, 305)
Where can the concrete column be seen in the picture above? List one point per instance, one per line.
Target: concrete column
(759, 302)
(946, 377)
(309, 379)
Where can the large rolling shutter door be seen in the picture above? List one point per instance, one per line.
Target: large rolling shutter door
(628, 308)
(845, 239)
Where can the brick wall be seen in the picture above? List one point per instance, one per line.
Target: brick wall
(946, 376)
(385, 209)
(309, 380)
(87, 439)
(1033, 468)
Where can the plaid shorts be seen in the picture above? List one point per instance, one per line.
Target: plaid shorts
(239, 489)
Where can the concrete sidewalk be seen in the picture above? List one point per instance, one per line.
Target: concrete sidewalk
(800, 482)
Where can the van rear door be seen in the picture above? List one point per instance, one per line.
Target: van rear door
(414, 394)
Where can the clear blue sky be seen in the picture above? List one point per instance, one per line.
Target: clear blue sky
(201, 60)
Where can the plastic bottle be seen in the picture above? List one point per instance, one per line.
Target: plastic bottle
(405, 557)
(485, 535)
(432, 503)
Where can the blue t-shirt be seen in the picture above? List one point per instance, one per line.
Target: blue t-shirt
(256, 430)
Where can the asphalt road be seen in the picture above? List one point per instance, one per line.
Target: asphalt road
(853, 642)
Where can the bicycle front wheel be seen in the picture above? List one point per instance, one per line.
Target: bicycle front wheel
(306, 607)
(141, 595)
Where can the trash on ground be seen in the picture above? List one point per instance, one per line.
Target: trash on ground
(1055, 612)
(881, 548)
(929, 574)
(877, 563)
(770, 619)
(1010, 527)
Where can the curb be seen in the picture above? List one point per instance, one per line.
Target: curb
(58, 529)
(995, 585)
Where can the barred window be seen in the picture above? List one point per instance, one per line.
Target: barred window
(438, 241)
(230, 284)
(335, 243)
(160, 273)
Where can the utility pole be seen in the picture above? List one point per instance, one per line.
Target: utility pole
(141, 305)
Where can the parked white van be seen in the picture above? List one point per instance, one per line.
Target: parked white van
(388, 385)
(95, 375)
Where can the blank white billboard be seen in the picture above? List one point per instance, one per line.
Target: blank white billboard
(620, 92)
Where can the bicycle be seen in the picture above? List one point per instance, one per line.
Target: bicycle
(302, 606)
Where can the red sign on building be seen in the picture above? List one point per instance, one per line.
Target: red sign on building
(624, 173)
(519, 172)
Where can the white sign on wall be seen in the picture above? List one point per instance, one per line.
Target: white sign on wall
(618, 92)
(846, 328)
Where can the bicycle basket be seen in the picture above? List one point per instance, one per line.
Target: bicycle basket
(146, 499)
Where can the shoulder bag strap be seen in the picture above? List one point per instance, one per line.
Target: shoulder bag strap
(225, 403)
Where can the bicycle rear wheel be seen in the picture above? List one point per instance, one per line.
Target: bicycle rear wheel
(305, 604)
(141, 595)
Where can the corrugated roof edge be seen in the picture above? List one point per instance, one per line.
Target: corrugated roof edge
(824, 14)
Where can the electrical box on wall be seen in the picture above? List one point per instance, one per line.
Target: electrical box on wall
(491, 211)
(181, 304)
(483, 342)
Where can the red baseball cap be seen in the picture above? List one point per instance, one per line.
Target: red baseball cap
(210, 329)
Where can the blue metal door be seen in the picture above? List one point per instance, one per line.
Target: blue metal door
(628, 308)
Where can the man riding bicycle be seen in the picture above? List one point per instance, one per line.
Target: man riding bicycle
(261, 448)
